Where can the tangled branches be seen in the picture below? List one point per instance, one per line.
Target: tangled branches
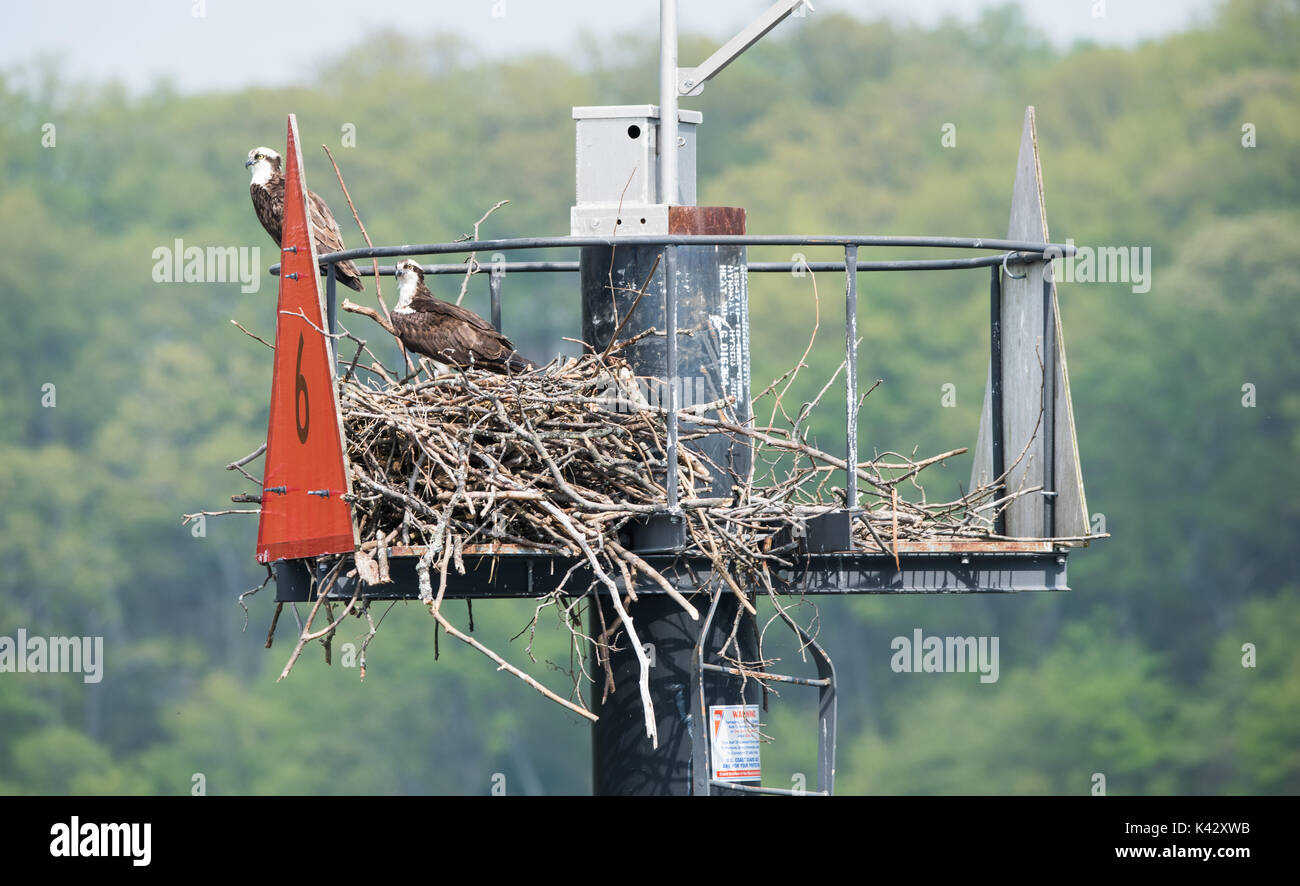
(568, 459)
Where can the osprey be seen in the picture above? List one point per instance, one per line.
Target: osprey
(448, 334)
(267, 189)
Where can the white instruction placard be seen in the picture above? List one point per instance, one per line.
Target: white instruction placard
(733, 731)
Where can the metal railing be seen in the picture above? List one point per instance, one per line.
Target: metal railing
(1008, 252)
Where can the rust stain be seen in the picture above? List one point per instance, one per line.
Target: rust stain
(724, 220)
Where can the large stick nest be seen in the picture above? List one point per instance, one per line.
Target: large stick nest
(564, 458)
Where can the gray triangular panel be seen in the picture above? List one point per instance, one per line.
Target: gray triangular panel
(1022, 377)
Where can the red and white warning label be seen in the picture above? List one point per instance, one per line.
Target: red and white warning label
(733, 732)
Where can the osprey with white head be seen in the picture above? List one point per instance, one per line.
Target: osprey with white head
(267, 190)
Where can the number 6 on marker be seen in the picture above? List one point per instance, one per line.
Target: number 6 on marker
(302, 418)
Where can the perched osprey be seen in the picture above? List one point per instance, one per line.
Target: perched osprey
(446, 333)
(267, 189)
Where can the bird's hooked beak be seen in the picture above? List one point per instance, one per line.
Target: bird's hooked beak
(248, 162)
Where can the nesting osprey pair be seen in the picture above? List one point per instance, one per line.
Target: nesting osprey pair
(448, 334)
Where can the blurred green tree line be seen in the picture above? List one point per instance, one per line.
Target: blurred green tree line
(833, 125)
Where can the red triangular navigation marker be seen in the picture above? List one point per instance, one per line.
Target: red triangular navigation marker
(303, 511)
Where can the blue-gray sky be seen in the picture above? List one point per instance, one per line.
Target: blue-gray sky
(235, 43)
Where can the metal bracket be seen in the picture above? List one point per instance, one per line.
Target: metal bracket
(610, 220)
(690, 81)
(660, 533)
(1007, 270)
(292, 581)
(831, 532)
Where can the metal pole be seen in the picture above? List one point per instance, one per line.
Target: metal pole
(1049, 407)
(995, 390)
(623, 763)
(494, 290)
(700, 737)
(668, 190)
(702, 364)
(851, 376)
(331, 299)
(670, 325)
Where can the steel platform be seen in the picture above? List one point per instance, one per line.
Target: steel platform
(959, 567)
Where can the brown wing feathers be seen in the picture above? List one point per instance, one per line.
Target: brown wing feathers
(268, 202)
(454, 335)
(330, 239)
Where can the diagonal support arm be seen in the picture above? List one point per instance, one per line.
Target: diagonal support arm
(690, 81)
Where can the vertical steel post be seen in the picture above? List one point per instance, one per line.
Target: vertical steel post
(683, 292)
(331, 308)
(700, 737)
(494, 291)
(1049, 407)
(674, 386)
(995, 390)
(686, 288)
(668, 188)
(623, 763)
(851, 375)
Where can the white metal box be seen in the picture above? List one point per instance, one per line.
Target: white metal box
(617, 165)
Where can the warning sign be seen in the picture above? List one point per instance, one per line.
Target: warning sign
(734, 735)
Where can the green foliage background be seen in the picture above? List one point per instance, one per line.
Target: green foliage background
(833, 126)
